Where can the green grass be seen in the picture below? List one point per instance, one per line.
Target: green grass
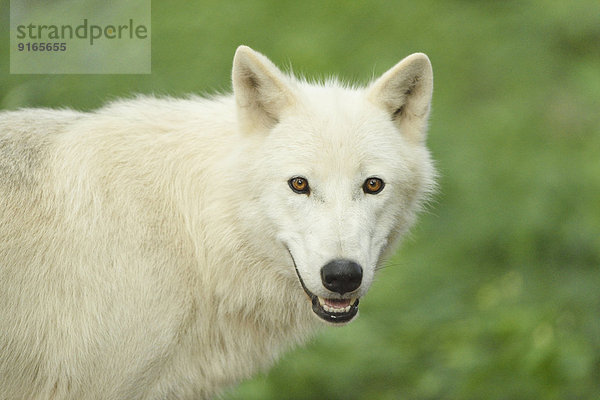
(496, 293)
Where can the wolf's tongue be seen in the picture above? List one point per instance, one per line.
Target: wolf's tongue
(337, 303)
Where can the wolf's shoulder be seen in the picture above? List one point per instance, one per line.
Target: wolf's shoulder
(26, 136)
(29, 123)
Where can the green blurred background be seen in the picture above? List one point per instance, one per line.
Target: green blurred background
(496, 294)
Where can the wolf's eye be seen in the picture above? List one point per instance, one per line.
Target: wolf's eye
(299, 185)
(373, 185)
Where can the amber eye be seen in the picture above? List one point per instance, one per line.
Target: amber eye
(373, 185)
(299, 185)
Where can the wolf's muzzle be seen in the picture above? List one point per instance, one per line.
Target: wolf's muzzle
(340, 274)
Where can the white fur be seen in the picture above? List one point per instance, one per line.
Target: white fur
(143, 246)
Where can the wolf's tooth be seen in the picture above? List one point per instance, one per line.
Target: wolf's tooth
(335, 309)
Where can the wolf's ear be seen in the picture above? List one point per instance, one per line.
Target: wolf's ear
(405, 93)
(262, 91)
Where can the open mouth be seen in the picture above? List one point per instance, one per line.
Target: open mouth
(330, 310)
(334, 310)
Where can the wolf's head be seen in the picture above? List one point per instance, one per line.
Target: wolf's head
(339, 173)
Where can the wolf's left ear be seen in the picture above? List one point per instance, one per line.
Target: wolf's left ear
(261, 90)
(405, 93)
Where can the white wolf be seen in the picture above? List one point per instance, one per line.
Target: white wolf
(166, 249)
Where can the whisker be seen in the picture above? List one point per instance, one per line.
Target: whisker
(388, 264)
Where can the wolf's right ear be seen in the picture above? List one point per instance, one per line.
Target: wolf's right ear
(405, 93)
(261, 90)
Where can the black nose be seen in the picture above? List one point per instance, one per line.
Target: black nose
(341, 276)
